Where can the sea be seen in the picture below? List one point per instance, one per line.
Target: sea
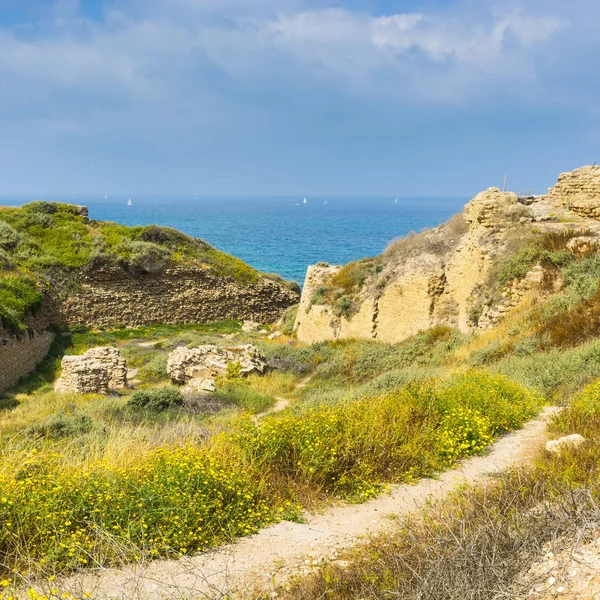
(282, 234)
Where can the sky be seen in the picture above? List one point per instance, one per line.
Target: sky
(335, 97)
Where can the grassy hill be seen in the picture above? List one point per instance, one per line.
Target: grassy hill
(43, 245)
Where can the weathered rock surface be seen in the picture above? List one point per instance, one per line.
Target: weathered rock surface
(565, 443)
(110, 297)
(249, 326)
(439, 277)
(95, 372)
(207, 362)
(578, 191)
(199, 385)
(583, 245)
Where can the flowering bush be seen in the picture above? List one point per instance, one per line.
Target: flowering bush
(179, 500)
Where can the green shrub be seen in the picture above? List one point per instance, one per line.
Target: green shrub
(148, 257)
(555, 373)
(345, 307)
(18, 298)
(63, 425)
(351, 277)
(527, 346)
(288, 320)
(9, 237)
(547, 251)
(505, 403)
(175, 501)
(233, 370)
(42, 208)
(583, 276)
(6, 262)
(491, 353)
(156, 400)
(350, 447)
(319, 296)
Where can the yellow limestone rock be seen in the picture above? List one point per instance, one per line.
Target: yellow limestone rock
(578, 191)
(433, 283)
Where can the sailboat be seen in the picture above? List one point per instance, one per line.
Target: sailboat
(305, 201)
(105, 197)
(325, 201)
(396, 201)
(129, 202)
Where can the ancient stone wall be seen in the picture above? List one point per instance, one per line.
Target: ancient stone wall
(578, 191)
(109, 298)
(19, 357)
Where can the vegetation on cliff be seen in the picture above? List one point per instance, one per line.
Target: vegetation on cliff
(44, 245)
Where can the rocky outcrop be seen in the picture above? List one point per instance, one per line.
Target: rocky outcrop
(432, 280)
(204, 363)
(111, 297)
(568, 442)
(578, 191)
(441, 277)
(95, 372)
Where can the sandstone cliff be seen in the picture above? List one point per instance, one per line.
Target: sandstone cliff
(449, 275)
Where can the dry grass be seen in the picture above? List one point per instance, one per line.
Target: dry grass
(573, 327)
(518, 325)
(479, 543)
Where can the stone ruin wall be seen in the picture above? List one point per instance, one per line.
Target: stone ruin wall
(112, 297)
(578, 191)
(19, 357)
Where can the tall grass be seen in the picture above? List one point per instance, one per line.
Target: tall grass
(67, 505)
(478, 543)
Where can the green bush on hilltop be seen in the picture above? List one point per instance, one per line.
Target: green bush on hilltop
(50, 242)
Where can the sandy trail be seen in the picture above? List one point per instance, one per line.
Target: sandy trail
(282, 403)
(284, 549)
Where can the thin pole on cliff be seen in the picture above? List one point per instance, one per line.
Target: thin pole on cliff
(504, 188)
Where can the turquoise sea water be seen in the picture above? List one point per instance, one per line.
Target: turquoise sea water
(278, 235)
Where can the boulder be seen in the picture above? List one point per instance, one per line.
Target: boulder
(208, 362)
(568, 442)
(95, 372)
(199, 385)
(583, 245)
(274, 335)
(249, 326)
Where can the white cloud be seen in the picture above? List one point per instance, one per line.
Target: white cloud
(192, 57)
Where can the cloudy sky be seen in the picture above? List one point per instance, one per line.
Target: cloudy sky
(397, 97)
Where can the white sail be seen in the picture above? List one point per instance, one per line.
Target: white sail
(129, 202)
(305, 201)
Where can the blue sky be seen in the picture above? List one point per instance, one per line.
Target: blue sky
(427, 97)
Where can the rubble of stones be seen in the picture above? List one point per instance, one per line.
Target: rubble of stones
(97, 371)
(197, 368)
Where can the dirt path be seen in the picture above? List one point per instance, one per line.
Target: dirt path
(291, 548)
(282, 403)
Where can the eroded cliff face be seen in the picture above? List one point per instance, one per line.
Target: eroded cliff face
(439, 277)
(112, 297)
